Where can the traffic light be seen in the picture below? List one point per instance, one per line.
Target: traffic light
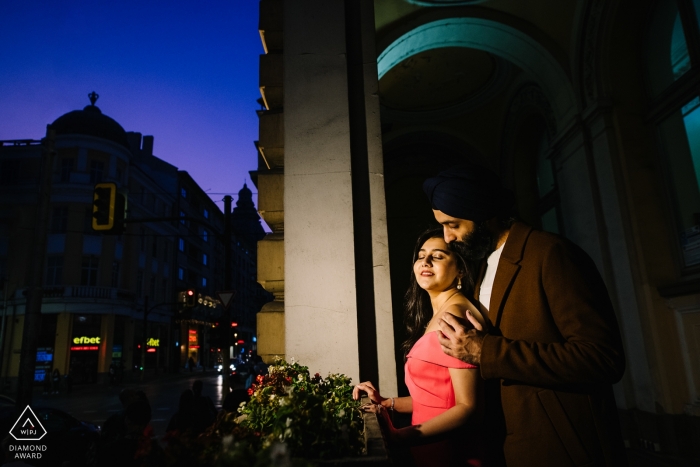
(190, 298)
(107, 209)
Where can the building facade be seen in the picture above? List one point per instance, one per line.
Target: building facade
(115, 299)
(587, 109)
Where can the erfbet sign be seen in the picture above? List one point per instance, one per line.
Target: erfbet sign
(86, 340)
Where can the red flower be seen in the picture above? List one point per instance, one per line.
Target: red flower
(250, 391)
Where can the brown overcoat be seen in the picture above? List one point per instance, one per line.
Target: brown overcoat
(553, 355)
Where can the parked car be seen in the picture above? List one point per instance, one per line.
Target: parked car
(67, 438)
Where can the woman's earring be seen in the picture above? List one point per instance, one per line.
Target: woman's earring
(459, 283)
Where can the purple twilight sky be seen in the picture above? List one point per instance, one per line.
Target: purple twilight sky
(183, 71)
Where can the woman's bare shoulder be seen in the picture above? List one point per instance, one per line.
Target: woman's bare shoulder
(459, 309)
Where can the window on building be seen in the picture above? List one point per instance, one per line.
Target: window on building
(139, 283)
(183, 192)
(115, 274)
(205, 235)
(97, 169)
(673, 60)
(204, 281)
(182, 220)
(59, 219)
(89, 271)
(181, 244)
(181, 274)
(9, 172)
(206, 213)
(54, 270)
(205, 259)
(67, 164)
(87, 221)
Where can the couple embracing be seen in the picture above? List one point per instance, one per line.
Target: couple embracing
(513, 345)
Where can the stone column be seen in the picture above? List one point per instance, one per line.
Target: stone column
(337, 298)
(64, 336)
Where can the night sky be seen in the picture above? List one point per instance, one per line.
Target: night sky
(185, 72)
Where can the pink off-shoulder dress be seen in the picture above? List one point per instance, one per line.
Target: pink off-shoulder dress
(430, 385)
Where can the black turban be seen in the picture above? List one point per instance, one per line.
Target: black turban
(469, 192)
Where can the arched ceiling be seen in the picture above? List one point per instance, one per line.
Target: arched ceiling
(554, 18)
(436, 78)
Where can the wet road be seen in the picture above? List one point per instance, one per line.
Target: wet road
(96, 402)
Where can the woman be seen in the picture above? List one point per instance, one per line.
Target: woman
(445, 399)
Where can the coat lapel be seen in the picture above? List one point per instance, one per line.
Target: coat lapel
(508, 267)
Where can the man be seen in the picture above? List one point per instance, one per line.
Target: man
(553, 349)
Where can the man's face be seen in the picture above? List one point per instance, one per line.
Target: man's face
(471, 240)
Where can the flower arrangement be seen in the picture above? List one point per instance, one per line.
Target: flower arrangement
(290, 419)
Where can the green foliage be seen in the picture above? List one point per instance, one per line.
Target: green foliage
(291, 419)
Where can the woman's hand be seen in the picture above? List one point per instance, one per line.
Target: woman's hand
(371, 391)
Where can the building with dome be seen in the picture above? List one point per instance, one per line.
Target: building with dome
(96, 287)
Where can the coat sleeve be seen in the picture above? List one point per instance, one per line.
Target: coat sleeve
(588, 349)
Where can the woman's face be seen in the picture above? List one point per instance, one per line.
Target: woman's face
(436, 267)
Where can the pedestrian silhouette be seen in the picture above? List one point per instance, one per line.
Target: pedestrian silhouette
(187, 420)
(127, 438)
(203, 404)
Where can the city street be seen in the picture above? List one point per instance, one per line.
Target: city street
(96, 402)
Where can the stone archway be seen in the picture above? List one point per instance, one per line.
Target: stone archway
(496, 38)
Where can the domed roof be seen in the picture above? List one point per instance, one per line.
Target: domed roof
(92, 122)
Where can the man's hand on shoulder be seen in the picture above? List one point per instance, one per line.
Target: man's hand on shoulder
(462, 338)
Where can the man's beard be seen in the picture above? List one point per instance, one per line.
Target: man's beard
(475, 246)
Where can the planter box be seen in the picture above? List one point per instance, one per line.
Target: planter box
(377, 453)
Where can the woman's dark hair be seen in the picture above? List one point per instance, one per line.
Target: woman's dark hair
(417, 307)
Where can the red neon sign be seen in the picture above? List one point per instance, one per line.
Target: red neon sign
(76, 348)
(241, 341)
(193, 331)
(151, 350)
(194, 346)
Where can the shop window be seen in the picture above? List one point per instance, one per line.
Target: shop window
(89, 271)
(54, 270)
